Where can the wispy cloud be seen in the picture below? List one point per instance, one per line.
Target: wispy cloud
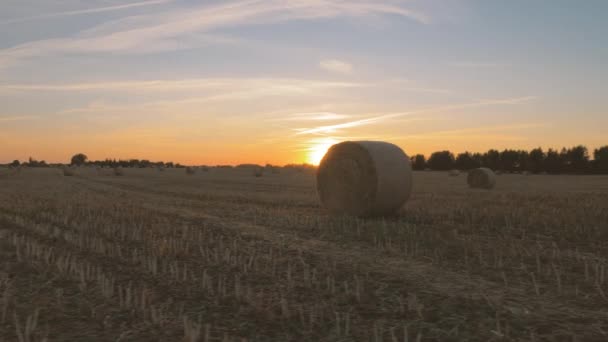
(313, 116)
(334, 65)
(158, 32)
(287, 84)
(18, 118)
(473, 131)
(85, 11)
(212, 90)
(375, 119)
(464, 64)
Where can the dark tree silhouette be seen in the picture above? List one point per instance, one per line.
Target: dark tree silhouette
(418, 162)
(491, 159)
(535, 160)
(553, 162)
(600, 157)
(79, 159)
(15, 163)
(576, 159)
(466, 161)
(509, 160)
(443, 160)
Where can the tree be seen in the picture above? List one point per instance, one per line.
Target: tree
(578, 159)
(465, 161)
(79, 159)
(553, 162)
(443, 161)
(600, 157)
(509, 160)
(536, 158)
(15, 163)
(491, 159)
(418, 162)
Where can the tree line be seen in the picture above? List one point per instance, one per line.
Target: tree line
(574, 160)
(81, 159)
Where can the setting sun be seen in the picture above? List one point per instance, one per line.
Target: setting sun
(318, 149)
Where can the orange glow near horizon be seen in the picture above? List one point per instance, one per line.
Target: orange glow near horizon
(318, 149)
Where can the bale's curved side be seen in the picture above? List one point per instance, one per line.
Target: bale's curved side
(364, 178)
(481, 178)
(68, 171)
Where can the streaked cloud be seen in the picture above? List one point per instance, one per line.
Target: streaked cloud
(86, 11)
(18, 118)
(334, 65)
(464, 64)
(168, 85)
(313, 116)
(375, 119)
(159, 31)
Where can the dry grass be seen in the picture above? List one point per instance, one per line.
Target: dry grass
(150, 256)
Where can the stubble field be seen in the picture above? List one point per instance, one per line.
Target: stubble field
(225, 256)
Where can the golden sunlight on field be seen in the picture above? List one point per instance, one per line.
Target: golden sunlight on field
(220, 255)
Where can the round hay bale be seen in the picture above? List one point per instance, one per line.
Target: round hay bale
(68, 171)
(118, 171)
(454, 173)
(190, 170)
(364, 178)
(481, 178)
(258, 172)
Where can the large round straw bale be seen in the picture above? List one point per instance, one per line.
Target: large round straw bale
(481, 178)
(364, 178)
(68, 171)
(454, 173)
(190, 170)
(118, 171)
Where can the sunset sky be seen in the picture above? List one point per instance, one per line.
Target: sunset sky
(226, 82)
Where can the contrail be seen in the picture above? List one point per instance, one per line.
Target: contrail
(86, 11)
(394, 115)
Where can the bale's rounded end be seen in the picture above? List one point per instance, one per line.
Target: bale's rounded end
(364, 178)
(68, 171)
(454, 173)
(481, 178)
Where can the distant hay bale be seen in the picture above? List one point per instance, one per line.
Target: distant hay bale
(364, 178)
(190, 170)
(454, 173)
(68, 171)
(481, 178)
(204, 169)
(118, 171)
(526, 173)
(160, 168)
(499, 172)
(258, 172)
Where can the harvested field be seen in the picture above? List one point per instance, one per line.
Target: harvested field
(224, 256)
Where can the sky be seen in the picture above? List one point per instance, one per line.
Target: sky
(279, 81)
